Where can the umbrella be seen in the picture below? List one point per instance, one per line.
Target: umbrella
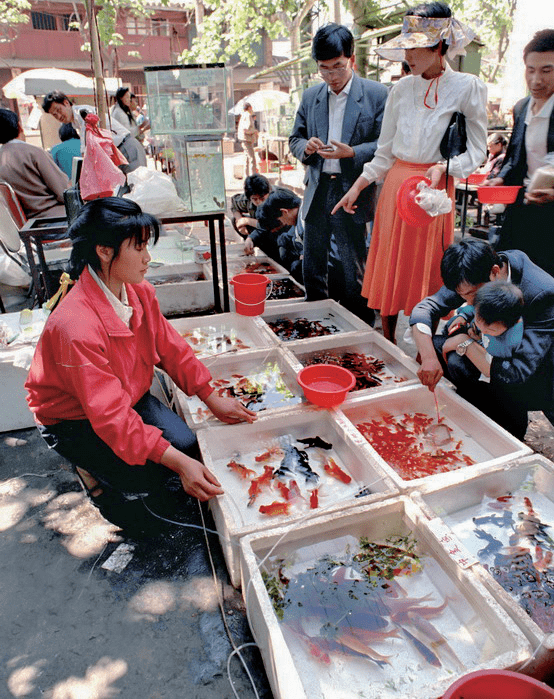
(41, 81)
(262, 101)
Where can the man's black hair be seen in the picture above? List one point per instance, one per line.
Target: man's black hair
(9, 125)
(331, 41)
(469, 261)
(268, 213)
(54, 96)
(499, 301)
(67, 132)
(541, 42)
(256, 184)
(433, 10)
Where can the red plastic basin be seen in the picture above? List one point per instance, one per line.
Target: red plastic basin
(497, 195)
(408, 209)
(498, 684)
(475, 178)
(326, 385)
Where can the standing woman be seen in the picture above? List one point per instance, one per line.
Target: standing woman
(89, 383)
(121, 112)
(403, 264)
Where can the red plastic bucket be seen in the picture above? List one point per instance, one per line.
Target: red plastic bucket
(326, 385)
(250, 293)
(498, 684)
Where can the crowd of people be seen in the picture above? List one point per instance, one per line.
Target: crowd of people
(89, 382)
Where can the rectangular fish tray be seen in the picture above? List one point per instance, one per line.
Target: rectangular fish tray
(242, 443)
(340, 636)
(183, 296)
(326, 317)
(266, 373)
(399, 369)
(488, 518)
(223, 333)
(255, 264)
(473, 436)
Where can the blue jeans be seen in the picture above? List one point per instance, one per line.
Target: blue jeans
(77, 442)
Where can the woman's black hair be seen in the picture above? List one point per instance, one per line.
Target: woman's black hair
(432, 10)
(121, 91)
(67, 132)
(107, 221)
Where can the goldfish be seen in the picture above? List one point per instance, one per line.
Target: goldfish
(333, 469)
(241, 470)
(258, 483)
(266, 455)
(314, 498)
(276, 508)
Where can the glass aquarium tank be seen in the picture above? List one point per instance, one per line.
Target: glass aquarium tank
(190, 99)
(196, 166)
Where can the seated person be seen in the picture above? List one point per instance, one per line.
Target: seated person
(505, 388)
(36, 179)
(257, 188)
(496, 146)
(69, 148)
(280, 225)
(494, 320)
(89, 381)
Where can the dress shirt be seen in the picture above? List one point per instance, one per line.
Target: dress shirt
(337, 106)
(121, 307)
(536, 134)
(413, 132)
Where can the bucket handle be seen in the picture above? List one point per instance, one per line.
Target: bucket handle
(268, 294)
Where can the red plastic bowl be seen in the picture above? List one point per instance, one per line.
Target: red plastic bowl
(497, 195)
(475, 178)
(326, 385)
(408, 209)
(498, 684)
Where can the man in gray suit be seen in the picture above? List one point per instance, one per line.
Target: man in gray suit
(335, 132)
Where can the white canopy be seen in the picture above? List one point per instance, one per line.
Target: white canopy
(41, 81)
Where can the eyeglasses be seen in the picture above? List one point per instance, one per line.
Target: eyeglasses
(325, 72)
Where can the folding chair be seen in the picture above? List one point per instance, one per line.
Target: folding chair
(12, 202)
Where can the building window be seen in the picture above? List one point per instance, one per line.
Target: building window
(137, 26)
(160, 26)
(70, 23)
(42, 20)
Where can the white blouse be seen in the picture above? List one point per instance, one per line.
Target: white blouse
(123, 118)
(413, 132)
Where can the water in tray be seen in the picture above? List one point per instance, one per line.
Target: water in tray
(216, 340)
(512, 536)
(372, 620)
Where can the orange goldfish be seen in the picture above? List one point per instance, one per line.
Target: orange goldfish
(334, 470)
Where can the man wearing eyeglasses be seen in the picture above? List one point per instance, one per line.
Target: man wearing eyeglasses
(335, 132)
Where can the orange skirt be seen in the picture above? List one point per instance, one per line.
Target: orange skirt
(403, 264)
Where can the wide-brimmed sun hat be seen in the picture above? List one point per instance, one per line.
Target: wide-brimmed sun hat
(424, 32)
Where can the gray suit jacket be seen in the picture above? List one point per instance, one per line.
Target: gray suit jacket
(360, 129)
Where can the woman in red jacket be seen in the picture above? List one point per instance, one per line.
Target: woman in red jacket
(93, 367)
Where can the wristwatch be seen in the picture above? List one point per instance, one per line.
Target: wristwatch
(461, 349)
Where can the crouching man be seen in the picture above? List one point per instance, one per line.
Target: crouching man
(504, 387)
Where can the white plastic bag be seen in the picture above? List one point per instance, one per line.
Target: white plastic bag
(434, 201)
(11, 273)
(543, 177)
(154, 192)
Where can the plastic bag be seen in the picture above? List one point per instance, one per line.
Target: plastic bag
(543, 177)
(100, 176)
(154, 192)
(433, 201)
(11, 273)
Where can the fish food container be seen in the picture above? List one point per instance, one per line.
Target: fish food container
(369, 605)
(377, 364)
(399, 431)
(244, 458)
(262, 380)
(503, 521)
(224, 333)
(182, 288)
(309, 319)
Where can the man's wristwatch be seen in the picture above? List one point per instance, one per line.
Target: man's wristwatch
(461, 349)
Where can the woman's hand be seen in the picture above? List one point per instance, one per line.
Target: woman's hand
(348, 201)
(196, 479)
(229, 410)
(434, 173)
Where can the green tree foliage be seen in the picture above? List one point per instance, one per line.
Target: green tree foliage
(235, 27)
(12, 12)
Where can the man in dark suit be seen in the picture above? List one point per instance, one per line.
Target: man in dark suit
(504, 389)
(335, 132)
(529, 223)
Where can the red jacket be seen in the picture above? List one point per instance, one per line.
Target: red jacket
(89, 365)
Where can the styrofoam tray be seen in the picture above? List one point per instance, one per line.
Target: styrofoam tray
(482, 439)
(255, 365)
(328, 312)
(222, 333)
(456, 509)
(478, 631)
(243, 442)
(183, 296)
(399, 370)
(238, 265)
(271, 302)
